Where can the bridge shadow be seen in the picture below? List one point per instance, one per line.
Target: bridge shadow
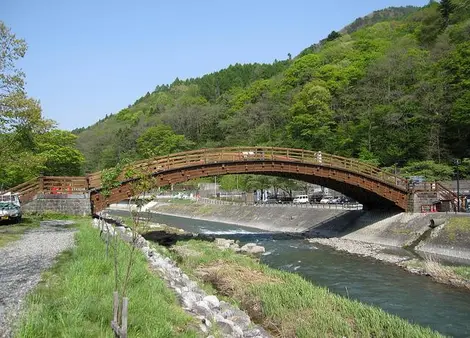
(348, 222)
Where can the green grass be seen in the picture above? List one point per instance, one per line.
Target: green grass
(285, 303)
(457, 226)
(74, 298)
(181, 201)
(462, 271)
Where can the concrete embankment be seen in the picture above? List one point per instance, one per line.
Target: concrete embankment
(271, 218)
(348, 228)
(450, 239)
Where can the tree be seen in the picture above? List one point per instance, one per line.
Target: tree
(61, 157)
(161, 140)
(312, 124)
(430, 170)
(333, 36)
(446, 8)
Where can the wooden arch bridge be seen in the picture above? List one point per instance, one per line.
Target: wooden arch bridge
(369, 185)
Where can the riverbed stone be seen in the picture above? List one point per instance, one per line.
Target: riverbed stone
(203, 309)
(252, 248)
(228, 327)
(120, 229)
(224, 243)
(213, 301)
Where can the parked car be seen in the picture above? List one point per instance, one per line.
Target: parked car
(316, 198)
(301, 199)
(335, 200)
(285, 200)
(10, 212)
(327, 200)
(346, 200)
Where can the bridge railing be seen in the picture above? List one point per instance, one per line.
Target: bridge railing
(246, 154)
(51, 185)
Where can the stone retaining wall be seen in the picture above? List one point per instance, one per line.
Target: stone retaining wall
(78, 205)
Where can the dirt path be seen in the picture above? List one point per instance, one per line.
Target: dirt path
(21, 264)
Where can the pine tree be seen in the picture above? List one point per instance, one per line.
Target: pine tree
(446, 8)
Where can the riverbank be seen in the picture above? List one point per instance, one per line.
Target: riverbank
(267, 217)
(283, 303)
(377, 235)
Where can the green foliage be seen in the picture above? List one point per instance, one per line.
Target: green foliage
(111, 178)
(230, 182)
(61, 158)
(301, 70)
(333, 36)
(161, 140)
(446, 7)
(430, 170)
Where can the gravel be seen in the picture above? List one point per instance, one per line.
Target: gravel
(364, 249)
(21, 265)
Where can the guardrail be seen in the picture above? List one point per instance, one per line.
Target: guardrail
(247, 154)
(345, 206)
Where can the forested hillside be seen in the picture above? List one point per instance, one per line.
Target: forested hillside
(392, 89)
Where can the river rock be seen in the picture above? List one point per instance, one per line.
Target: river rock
(213, 301)
(240, 318)
(120, 229)
(203, 309)
(228, 327)
(203, 328)
(252, 248)
(223, 243)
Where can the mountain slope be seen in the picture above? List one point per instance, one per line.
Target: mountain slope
(390, 89)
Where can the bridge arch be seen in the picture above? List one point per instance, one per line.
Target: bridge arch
(367, 184)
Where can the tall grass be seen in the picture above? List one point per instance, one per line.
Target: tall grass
(285, 303)
(75, 297)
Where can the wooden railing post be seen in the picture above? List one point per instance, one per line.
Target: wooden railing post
(41, 184)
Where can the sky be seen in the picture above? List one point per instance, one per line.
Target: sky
(89, 58)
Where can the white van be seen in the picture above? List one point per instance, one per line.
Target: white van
(300, 199)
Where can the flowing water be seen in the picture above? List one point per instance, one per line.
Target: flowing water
(416, 298)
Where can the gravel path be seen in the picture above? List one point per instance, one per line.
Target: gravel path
(21, 264)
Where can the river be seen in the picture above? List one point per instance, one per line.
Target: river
(415, 298)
